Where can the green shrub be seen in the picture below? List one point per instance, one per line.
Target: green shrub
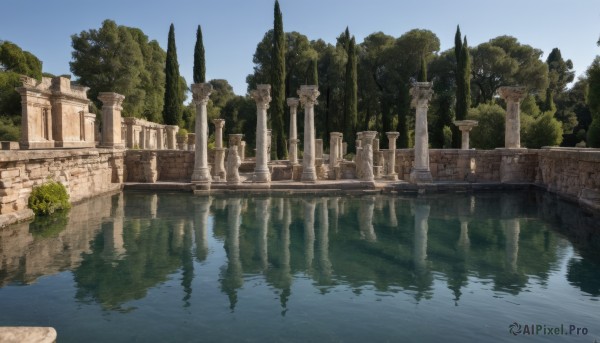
(489, 133)
(543, 131)
(447, 131)
(48, 198)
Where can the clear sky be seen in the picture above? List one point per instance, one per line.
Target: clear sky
(232, 28)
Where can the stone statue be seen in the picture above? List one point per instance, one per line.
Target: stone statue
(233, 164)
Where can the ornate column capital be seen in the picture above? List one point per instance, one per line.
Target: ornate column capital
(262, 96)
(293, 102)
(421, 93)
(466, 125)
(308, 95)
(219, 123)
(111, 99)
(201, 92)
(392, 135)
(512, 93)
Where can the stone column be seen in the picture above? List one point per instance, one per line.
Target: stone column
(465, 126)
(262, 97)
(512, 132)
(111, 119)
(293, 140)
(391, 159)
(308, 99)
(233, 159)
(160, 144)
(421, 94)
(172, 136)
(366, 159)
(201, 174)
(335, 140)
(219, 150)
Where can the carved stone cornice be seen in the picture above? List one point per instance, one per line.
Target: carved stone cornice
(262, 96)
(201, 92)
(308, 95)
(512, 93)
(421, 93)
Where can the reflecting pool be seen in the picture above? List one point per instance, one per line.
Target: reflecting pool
(172, 267)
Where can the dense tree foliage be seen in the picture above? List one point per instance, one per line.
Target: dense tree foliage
(351, 96)
(121, 59)
(593, 101)
(13, 63)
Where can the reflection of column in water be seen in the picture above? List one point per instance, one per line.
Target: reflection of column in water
(286, 275)
(365, 218)
(309, 232)
(153, 205)
(392, 208)
(324, 262)
(201, 213)
(342, 207)
(334, 205)
(178, 231)
(114, 247)
(512, 230)
(421, 226)
(463, 239)
(233, 278)
(220, 204)
(279, 209)
(263, 214)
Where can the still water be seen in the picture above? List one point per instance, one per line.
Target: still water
(172, 267)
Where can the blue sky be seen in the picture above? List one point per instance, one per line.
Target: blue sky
(232, 28)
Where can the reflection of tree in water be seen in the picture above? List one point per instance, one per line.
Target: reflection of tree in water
(151, 257)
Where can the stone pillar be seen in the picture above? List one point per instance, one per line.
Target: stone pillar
(111, 119)
(335, 140)
(391, 159)
(293, 140)
(201, 173)
(262, 97)
(233, 159)
(366, 159)
(308, 98)
(512, 132)
(465, 126)
(242, 150)
(171, 136)
(421, 93)
(160, 141)
(219, 150)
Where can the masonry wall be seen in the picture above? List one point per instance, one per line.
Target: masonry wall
(85, 173)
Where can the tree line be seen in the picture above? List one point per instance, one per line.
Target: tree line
(363, 86)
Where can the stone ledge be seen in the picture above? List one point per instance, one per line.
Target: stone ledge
(24, 334)
(15, 217)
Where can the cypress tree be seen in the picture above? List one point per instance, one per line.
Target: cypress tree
(351, 96)
(312, 77)
(457, 43)
(172, 105)
(199, 61)
(465, 78)
(423, 70)
(279, 149)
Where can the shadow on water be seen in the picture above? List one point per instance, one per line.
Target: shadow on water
(118, 247)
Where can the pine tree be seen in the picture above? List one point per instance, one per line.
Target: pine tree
(172, 106)
(199, 61)
(351, 96)
(279, 149)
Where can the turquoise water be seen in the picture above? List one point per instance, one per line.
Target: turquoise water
(172, 267)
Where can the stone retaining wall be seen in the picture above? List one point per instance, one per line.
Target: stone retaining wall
(84, 172)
